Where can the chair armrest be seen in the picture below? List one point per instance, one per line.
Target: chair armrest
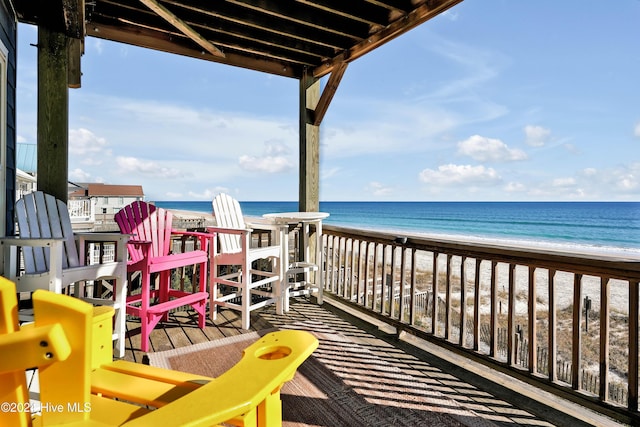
(103, 237)
(204, 238)
(36, 242)
(24, 349)
(267, 225)
(11, 260)
(224, 230)
(264, 367)
(191, 233)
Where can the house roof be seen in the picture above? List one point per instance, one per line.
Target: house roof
(27, 157)
(282, 37)
(98, 190)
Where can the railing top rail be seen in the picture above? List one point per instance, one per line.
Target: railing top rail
(611, 265)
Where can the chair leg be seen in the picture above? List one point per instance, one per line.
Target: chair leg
(163, 290)
(144, 306)
(202, 287)
(246, 295)
(120, 319)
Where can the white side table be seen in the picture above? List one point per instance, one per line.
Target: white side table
(303, 263)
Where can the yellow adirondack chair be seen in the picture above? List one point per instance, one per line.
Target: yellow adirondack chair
(54, 257)
(80, 385)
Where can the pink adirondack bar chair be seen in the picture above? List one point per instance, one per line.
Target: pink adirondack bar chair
(150, 252)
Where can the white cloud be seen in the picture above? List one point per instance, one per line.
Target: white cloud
(536, 136)
(379, 189)
(484, 149)
(514, 187)
(79, 175)
(330, 173)
(269, 164)
(207, 194)
(636, 131)
(572, 148)
(452, 175)
(135, 166)
(405, 128)
(563, 182)
(83, 142)
(276, 148)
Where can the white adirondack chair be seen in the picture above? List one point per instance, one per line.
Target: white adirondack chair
(241, 287)
(54, 257)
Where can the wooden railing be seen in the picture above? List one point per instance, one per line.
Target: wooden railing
(563, 322)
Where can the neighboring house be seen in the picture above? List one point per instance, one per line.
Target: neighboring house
(89, 204)
(25, 183)
(109, 199)
(26, 164)
(95, 204)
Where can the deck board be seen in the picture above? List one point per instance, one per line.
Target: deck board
(181, 330)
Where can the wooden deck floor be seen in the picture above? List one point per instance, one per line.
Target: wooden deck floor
(503, 404)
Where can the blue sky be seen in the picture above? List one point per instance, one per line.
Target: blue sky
(493, 100)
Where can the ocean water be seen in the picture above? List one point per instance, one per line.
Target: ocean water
(586, 226)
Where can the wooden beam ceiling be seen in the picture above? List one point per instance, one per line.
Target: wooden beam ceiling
(282, 37)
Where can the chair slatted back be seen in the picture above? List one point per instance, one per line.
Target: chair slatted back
(146, 222)
(228, 215)
(41, 215)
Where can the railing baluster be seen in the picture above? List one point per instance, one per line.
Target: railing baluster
(576, 340)
(434, 297)
(336, 264)
(632, 399)
(383, 279)
(476, 306)
(463, 301)
(511, 315)
(343, 262)
(392, 282)
(412, 310)
(367, 270)
(403, 278)
(493, 352)
(447, 309)
(533, 321)
(603, 391)
(358, 273)
(375, 277)
(553, 327)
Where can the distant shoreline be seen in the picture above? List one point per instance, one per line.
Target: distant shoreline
(630, 254)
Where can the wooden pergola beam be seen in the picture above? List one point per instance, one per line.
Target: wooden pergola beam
(185, 28)
(418, 16)
(328, 92)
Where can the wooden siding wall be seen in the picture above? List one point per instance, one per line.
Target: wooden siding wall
(8, 35)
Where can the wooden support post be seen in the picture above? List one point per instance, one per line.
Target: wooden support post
(309, 168)
(309, 164)
(53, 114)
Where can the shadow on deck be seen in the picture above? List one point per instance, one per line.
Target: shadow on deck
(477, 390)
